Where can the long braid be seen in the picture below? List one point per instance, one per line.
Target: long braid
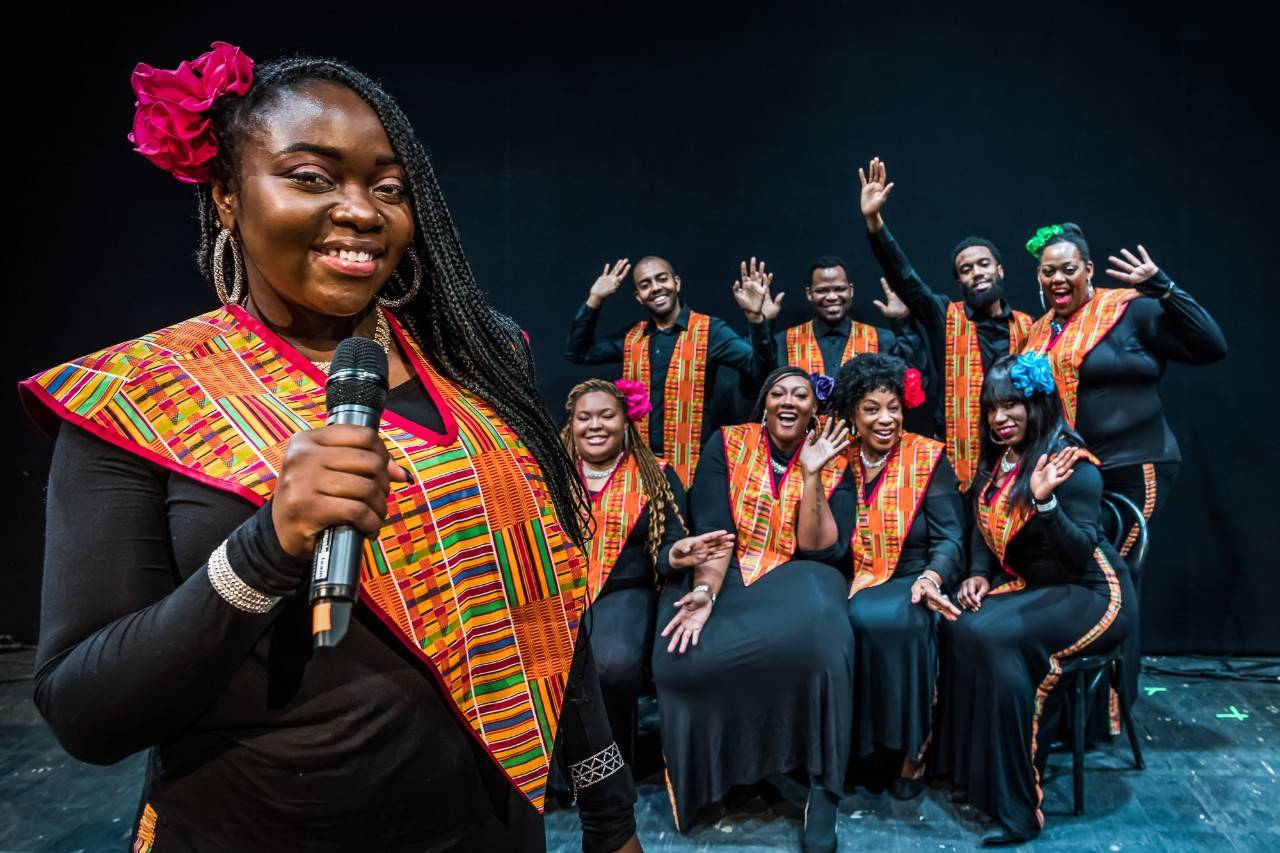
(468, 341)
(653, 482)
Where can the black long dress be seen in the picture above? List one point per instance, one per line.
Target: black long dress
(768, 687)
(997, 702)
(257, 743)
(895, 641)
(620, 621)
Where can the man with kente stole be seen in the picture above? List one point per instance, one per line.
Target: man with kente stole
(676, 352)
(964, 337)
(822, 345)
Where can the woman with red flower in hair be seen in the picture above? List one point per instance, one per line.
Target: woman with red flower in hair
(639, 539)
(194, 473)
(907, 549)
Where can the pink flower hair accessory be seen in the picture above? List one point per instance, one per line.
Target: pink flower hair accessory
(637, 397)
(912, 388)
(171, 125)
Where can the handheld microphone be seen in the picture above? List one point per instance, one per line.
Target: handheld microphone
(355, 393)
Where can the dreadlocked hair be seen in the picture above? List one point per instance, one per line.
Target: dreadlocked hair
(652, 481)
(469, 341)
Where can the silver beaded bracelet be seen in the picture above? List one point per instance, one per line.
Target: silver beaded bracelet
(232, 589)
(702, 587)
(597, 768)
(1052, 503)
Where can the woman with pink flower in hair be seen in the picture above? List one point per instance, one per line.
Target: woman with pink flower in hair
(194, 473)
(908, 550)
(639, 539)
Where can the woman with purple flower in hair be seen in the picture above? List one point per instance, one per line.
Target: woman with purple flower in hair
(1043, 584)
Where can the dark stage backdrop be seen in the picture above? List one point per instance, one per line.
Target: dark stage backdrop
(565, 140)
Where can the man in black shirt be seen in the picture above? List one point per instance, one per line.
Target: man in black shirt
(679, 349)
(957, 366)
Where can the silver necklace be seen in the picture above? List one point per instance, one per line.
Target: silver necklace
(1005, 465)
(868, 463)
(779, 468)
(591, 474)
(381, 336)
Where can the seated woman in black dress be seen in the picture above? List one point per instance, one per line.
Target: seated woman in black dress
(1043, 585)
(907, 548)
(765, 686)
(638, 539)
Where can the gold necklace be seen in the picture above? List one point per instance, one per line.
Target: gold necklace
(381, 336)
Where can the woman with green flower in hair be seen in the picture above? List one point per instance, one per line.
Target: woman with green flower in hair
(1043, 584)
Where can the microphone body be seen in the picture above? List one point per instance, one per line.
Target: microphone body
(355, 394)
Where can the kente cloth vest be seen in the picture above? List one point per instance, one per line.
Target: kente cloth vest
(1084, 330)
(616, 509)
(764, 515)
(684, 390)
(471, 570)
(885, 519)
(963, 374)
(803, 350)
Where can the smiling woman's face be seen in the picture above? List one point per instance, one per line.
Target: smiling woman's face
(877, 420)
(1064, 278)
(320, 204)
(789, 409)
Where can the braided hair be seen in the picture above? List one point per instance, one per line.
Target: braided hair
(653, 482)
(466, 338)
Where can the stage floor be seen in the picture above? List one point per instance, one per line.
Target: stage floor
(1212, 749)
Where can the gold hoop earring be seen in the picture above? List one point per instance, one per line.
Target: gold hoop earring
(412, 290)
(235, 294)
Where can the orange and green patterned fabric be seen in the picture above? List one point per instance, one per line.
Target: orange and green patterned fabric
(885, 518)
(764, 515)
(471, 570)
(684, 390)
(803, 350)
(617, 508)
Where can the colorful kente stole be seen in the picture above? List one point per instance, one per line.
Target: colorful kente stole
(471, 569)
(1084, 330)
(803, 350)
(999, 521)
(764, 514)
(963, 374)
(683, 394)
(885, 519)
(616, 508)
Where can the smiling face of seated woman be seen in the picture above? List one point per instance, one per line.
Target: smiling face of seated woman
(1007, 421)
(319, 202)
(789, 409)
(877, 420)
(599, 425)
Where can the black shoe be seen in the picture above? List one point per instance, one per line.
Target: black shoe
(906, 789)
(820, 813)
(1002, 837)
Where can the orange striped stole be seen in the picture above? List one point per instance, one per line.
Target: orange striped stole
(683, 390)
(803, 350)
(885, 519)
(1084, 330)
(999, 520)
(616, 508)
(764, 515)
(471, 570)
(963, 374)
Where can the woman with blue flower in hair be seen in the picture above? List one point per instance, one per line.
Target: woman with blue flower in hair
(1043, 584)
(908, 553)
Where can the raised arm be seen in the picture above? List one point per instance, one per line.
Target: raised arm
(927, 307)
(1068, 499)
(816, 528)
(581, 346)
(1176, 327)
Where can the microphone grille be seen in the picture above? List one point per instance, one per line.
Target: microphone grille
(359, 354)
(345, 386)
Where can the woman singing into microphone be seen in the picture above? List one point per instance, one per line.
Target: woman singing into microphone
(193, 472)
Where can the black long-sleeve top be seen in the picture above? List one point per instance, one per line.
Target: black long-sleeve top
(929, 309)
(1118, 407)
(752, 360)
(257, 742)
(633, 568)
(935, 540)
(833, 337)
(1053, 547)
(709, 503)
